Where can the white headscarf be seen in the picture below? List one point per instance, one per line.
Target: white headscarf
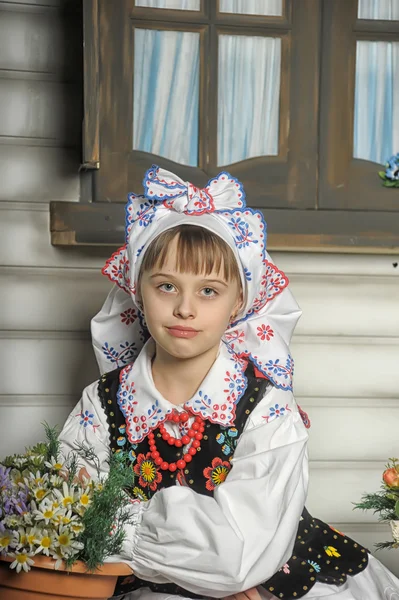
(262, 331)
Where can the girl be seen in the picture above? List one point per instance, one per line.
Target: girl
(193, 342)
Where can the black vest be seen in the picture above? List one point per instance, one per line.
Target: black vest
(320, 554)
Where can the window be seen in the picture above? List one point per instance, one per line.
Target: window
(299, 100)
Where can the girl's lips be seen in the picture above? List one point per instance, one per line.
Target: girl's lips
(181, 332)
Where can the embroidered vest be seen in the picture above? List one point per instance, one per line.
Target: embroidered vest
(320, 553)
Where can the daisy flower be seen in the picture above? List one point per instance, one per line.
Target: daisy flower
(65, 542)
(54, 464)
(22, 561)
(45, 541)
(46, 512)
(67, 497)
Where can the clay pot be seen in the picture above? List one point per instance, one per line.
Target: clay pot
(42, 582)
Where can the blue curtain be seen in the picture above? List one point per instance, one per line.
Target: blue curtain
(166, 94)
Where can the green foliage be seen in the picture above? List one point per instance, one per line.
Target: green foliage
(378, 502)
(105, 518)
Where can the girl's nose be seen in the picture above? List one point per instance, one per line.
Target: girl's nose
(185, 307)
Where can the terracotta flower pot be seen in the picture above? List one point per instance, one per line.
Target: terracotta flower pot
(44, 583)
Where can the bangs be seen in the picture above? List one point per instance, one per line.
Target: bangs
(199, 251)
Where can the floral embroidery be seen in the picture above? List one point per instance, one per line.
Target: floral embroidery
(138, 492)
(265, 332)
(228, 441)
(237, 336)
(86, 419)
(128, 316)
(243, 234)
(126, 353)
(204, 406)
(277, 280)
(286, 569)
(117, 269)
(217, 473)
(276, 411)
(337, 531)
(247, 273)
(138, 424)
(331, 551)
(236, 386)
(149, 474)
(304, 417)
(315, 566)
(278, 369)
(144, 213)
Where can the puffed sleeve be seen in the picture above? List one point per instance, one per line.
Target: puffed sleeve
(237, 539)
(87, 424)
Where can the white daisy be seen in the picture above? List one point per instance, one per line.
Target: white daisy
(45, 541)
(22, 561)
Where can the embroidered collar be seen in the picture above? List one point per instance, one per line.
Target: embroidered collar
(144, 408)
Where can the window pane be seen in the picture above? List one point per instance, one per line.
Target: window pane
(166, 94)
(376, 128)
(378, 9)
(174, 4)
(271, 8)
(248, 97)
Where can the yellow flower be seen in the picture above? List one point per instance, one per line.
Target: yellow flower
(140, 494)
(331, 551)
(22, 561)
(45, 541)
(5, 540)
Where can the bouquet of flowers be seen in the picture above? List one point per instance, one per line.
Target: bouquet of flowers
(386, 502)
(390, 176)
(49, 506)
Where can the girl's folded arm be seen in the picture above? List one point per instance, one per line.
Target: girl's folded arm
(87, 425)
(240, 537)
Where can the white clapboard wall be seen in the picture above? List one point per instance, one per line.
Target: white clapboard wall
(346, 346)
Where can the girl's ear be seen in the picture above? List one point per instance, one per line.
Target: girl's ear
(238, 306)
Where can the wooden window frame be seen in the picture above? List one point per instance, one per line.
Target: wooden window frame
(295, 220)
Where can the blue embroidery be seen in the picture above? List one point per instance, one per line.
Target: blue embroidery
(125, 355)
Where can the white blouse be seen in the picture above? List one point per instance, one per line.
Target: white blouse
(240, 537)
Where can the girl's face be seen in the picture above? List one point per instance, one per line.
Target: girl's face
(187, 314)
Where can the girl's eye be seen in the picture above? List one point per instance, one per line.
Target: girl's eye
(166, 287)
(209, 292)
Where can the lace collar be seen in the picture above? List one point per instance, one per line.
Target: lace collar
(144, 408)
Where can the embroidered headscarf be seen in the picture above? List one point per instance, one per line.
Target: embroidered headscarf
(262, 330)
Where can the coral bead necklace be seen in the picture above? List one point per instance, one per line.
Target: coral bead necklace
(195, 434)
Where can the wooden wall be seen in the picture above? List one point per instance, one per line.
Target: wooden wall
(347, 342)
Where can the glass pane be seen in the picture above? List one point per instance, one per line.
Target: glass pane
(376, 128)
(271, 8)
(166, 94)
(174, 4)
(248, 97)
(378, 9)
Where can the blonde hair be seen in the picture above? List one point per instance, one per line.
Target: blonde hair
(198, 251)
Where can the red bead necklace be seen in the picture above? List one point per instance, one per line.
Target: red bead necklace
(195, 433)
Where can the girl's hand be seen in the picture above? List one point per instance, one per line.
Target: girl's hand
(251, 594)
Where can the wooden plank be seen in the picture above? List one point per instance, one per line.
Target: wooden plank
(351, 367)
(25, 240)
(49, 111)
(27, 421)
(331, 306)
(334, 487)
(52, 365)
(291, 230)
(50, 299)
(34, 174)
(91, 122)
(339, 433)
(46, 43)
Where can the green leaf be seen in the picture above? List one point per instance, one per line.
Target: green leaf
(382, 174)
(397, 508)
(388, 183)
